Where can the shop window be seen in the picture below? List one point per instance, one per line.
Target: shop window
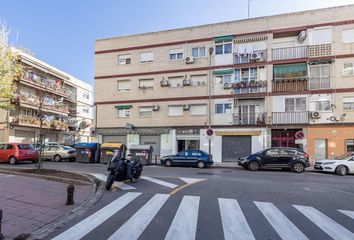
(350, 145)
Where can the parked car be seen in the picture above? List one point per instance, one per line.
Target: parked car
(284, 158)
(196, 158)
(58, 153)
(342, 165)
(52, 144)
(16, 152)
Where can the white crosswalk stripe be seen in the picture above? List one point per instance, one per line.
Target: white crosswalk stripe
(132, 229)
(6, 175)
(184, 224)
(234, 223)
(348, 213)
(87, 225)
(329, 226)
(158, 181)
(281, 224)
(120, 185)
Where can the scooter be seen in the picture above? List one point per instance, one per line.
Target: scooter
(121, 169)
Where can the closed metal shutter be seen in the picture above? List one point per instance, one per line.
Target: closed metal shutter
(154, 141)
(114, 139)
(24, 136)
(235, 146)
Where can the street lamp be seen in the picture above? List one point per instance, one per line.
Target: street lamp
(211, 50)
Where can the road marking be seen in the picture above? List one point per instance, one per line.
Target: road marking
(234, 223)
(329, 226)
(6, 175)
(281, 224)
(120, 185)
(348, 213)
(184, 224)
(133, 228)
(158, 181)
(87, 225)
(191, 180)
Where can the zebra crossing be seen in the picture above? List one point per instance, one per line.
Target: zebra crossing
(235, 224)
(5, 175)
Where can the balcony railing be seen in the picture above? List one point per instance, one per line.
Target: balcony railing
(319, 83)
(249, 119)
(290, 53)
(250, 87)
(34, 101)
(290, 117)
(320, 50)
(30, 121)
(290, 86)
(255, 56)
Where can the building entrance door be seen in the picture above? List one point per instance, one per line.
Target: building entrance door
(320, 149)
(187, 144)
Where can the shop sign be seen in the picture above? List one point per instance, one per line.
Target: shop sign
(194, 131)
(239, 133)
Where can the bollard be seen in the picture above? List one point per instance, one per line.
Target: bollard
(70, 196)
(1, 235)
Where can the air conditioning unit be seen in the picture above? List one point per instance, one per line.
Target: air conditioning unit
(155, 107)
(302, 36)
(189, 60)
(333, 118)
(315, 115)
(186, 82)
(227, 85)
(185, 107)
(256, 55)
(164, 83)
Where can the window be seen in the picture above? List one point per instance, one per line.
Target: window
(28, 112)
(350, 145)
(272, 153)
(320, 76)
(348, 69)
(348, 103)
(348, 35)
(321, 36)
(176, 54)
(223, 48)
(222, 108)
(198, 109)
(145, 111)
(198, 80)
(86, 95)
(176, 81)
(124, 59)
(146, 57)
(146, 83)
(124, 85)
(175, 110)
(85, 110)
(221, 79)
(295, 104)
(196, 153)
(323, 105)
(198, 52)
(123, 112)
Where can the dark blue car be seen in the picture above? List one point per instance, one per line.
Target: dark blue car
(195, 158)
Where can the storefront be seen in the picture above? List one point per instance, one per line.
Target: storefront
(187, 139)
(330, 142)
(288, 138)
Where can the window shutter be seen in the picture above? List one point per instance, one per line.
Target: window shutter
(147, 57)
(348, 35)
(175, 110)
(321, 36)
(198, 109)
(201, 79)
(123, 85)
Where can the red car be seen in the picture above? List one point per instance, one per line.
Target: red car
(16, 152)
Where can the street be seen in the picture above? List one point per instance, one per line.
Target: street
(216, 203)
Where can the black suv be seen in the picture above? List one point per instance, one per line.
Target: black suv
(285, 158)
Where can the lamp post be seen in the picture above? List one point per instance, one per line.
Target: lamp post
(211, 50)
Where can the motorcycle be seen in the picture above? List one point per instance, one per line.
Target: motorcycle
(121, 169)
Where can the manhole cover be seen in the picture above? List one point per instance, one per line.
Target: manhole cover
(205, 173)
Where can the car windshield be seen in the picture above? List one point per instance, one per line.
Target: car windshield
(25, 146)
(343, 157)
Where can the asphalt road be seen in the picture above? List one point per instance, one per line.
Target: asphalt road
(217, 203)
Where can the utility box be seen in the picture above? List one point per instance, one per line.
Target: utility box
(88, 152)
(143, 152)
(107, 151)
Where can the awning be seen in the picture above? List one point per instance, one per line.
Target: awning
(321, 62)
(223, 72)
(123, 106)
(228, 38)
(288, 72)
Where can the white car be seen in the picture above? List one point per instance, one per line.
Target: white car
(341, 165)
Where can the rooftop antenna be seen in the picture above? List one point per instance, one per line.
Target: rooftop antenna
(249, 4)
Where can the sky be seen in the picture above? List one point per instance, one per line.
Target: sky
(63, 32)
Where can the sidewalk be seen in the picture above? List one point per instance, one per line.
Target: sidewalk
(30, 203)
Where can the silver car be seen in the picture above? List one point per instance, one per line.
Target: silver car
(58, 153)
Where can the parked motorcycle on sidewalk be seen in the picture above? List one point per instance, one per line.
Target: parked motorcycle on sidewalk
(122, 168)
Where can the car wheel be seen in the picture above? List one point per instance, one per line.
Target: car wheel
(298, 167)
(253, 166)
(12, 160)
(201, 164)
(57, 158)
(168, 163)
(341, 170)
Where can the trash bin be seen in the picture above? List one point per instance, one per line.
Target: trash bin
(88, 152)
(143, 152)
(107, 151)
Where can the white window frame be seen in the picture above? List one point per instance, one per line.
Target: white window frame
(222, 77)
(123, 89)
(180, 113)
(348, 35)
(145, 111)
(199, 50)
(146, 57)
(352, 69)
(349, 100)
(126, 112)
(124, 59)
(141, 86)
(175, 52)
(295, 104)
(320, 101)
(224, 109)
(321, 29)
(199, 113)
(223, 47)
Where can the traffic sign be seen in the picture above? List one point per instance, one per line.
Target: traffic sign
(210, 132)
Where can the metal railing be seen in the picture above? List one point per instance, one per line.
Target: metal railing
(301, 117)
(290, 53)
(250, 87)
(255, 56)
(249, 119)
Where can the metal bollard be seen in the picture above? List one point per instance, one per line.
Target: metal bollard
(1, 235)
(70, 196)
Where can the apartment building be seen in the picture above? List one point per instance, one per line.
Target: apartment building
(284, 80)
(44, 92)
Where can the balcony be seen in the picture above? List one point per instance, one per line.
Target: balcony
(30, 121)
(290, 53)
(249, 119)
(320, 50)
(317, 83)
(250, 87)
(34, 102)
(290, 117)
(290, 86)
(252, 57)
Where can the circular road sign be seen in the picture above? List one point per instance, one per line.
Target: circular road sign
(299, 135)
(210, 132)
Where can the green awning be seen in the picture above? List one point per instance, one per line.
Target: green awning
(123, 106)
(288, 72)
(321, 62)
(224, 39)
(223, 72)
